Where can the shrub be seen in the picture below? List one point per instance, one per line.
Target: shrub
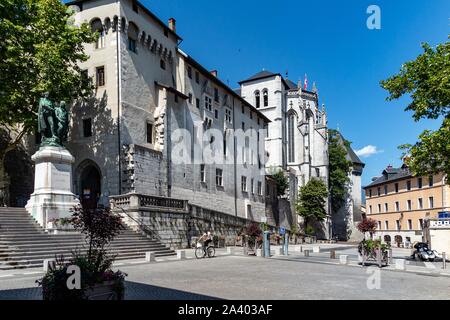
(100, 227)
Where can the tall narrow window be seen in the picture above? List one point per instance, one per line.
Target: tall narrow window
(257, 99)
(243, 184)
(408, 185)
(410, 224)
(189, 72)
(96, 26)
(430, 181)
(431, 202)
(216, 95)
(291, 143)
(265, 98)
(162, 64)
(219, 181)
(202, 173)
(197, 77)
(87, 127)
(420, 203)
(149, 132)
(408, 205)
(100, 76)
(396, 187)
(386, 225)
(419, 183)
(385, 189)
(132, 36)
(397, 206)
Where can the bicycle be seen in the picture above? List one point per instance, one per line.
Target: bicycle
(200, 252)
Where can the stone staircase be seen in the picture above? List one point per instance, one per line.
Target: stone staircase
(24, 244)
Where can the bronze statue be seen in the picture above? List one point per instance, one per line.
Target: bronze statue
(53, 122)
(62, 117)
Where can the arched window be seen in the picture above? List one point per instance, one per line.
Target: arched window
(132, 36)
(291, 142)
(257, 99)
(265, 98)
(96, 26)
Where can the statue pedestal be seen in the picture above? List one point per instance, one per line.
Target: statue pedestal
(52, 197)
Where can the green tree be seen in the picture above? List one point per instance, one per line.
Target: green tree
(281, 180)
(311, 200)
(339, 167)
(40, 48)
(427, 80)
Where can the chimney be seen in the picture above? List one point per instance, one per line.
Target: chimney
(389, 167)
(214, 73)
(172, 24)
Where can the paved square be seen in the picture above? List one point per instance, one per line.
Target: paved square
(239, 277)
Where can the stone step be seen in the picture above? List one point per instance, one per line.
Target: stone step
(45, 244)
(39, 264)
(59, 238)
(68, 255)
(32, 250)
(67, 252)
(18, 228)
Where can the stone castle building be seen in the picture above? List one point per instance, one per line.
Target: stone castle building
(154, 105)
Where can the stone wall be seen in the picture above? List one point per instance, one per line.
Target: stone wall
(175, 227)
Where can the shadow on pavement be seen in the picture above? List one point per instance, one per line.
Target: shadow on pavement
(141, 291)
(133, 291)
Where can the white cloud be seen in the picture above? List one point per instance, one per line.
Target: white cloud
(367, 151)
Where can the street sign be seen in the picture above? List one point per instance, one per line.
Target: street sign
(282, 230)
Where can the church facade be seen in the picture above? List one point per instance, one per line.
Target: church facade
(297, 140)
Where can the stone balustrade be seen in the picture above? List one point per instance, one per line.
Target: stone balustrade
(135, 200)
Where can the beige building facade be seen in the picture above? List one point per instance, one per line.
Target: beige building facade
(402, 203)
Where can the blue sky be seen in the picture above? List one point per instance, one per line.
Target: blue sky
(327, 40)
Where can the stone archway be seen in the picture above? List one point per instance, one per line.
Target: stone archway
(88, 183)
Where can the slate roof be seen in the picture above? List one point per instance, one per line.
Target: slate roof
(391, 174)
(260, 75)
(290, 84)
(353, 157)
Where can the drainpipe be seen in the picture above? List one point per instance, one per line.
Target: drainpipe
(119, 78)
(235, 160)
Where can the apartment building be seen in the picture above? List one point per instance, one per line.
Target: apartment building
(401, 202)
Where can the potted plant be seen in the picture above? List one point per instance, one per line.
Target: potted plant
(370, 249)
(254, 233)
(97, 279)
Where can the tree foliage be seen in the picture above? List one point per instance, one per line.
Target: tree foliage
(281, 180)
(427, 80)
(339, 167)
(40, 48)
(311, 201)
(367, 225)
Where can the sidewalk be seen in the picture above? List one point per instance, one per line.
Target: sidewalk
(296, 253)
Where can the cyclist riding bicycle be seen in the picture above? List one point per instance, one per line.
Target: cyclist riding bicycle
(203, 248)
(205, 239)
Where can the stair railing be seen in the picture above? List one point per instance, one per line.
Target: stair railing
(141, 226)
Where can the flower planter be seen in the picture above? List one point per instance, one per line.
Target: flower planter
(104, 291)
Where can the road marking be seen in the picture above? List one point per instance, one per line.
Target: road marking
(6, 275)
(34, 272)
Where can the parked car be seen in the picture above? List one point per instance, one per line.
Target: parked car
(423, 252)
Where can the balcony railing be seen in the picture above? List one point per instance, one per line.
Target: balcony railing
(134, 200)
